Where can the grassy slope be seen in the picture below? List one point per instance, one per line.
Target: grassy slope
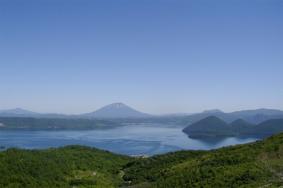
(65, 167)
(251, 165)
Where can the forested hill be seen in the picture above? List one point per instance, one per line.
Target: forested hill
(258, 164)
(215, 127)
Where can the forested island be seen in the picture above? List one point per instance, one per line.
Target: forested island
(215, 127)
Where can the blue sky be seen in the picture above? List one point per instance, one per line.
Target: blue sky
(159, 56)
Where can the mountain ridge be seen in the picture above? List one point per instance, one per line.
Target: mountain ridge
(17, 112)
(207, 127)
(116, 110)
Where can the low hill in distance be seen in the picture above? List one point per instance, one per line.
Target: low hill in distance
(252, 116)
(258, 164)
(17, 112)
(259, 115)
(269, 127)
(215, 127)
(241, 126)
(24, 123)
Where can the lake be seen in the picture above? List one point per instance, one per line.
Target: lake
(138, 139)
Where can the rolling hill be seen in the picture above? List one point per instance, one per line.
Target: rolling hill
(258, 164)
(269, 127)
(17, 112)
(210, 126)
(241, 126)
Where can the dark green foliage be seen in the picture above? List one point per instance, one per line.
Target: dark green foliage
(251, 165)
(72, 165)
(258, 164)
(150, 169)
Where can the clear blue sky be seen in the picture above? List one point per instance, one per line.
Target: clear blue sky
(159, 56)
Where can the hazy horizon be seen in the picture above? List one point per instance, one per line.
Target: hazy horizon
(98, 108)
(157, 56)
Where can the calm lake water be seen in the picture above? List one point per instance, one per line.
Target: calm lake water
(141, 139)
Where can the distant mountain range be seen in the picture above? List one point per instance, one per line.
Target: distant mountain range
(213, 126)
(115, 110)
(206, 124)
(123, 111)
(252, 116)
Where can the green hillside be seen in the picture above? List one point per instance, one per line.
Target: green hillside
(64, 167)
(258, 164)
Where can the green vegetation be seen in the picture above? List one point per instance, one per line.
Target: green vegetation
(64, 167)
(258, 164)
(11, 123)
